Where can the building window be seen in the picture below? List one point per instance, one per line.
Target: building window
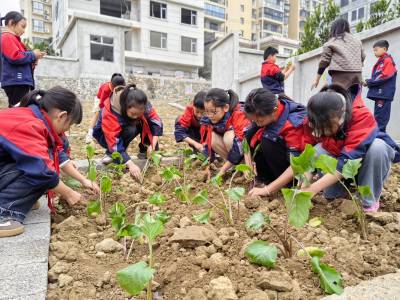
(361, 13)
(242, 7)
(287, 51)
(37, 7)
(188, 16)
(242, 21)
(354, 15)
(56, 10)
(158, 10)
(214, 11)
(158, 39)
(344, 3)
(101, 48)
(121, 10)
(188, 44)
(273, 14)
(38, 25)
(273, 27)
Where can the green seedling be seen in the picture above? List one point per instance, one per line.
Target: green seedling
(155, 159)
(117, 166)
(136, 277)
(93, 207)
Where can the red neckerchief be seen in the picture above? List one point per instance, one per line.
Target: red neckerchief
(57, 145)
(258, 135)
(146, 130)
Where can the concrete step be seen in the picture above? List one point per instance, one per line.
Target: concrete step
(24, 258)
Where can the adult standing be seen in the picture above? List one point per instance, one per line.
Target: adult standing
(343, 54)
(17, 63)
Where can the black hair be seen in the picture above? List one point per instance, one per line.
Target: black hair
(199, 98)
(117, 80)
(131, 97)
(339, 27)
(13, 16)
(260, 102)
(221, 97)
(328, 104)
(55, 98)
(270, 51)
(382, 44)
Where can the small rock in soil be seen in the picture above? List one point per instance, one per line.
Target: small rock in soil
(347, 208)
(376, 229)
(64, 280)
(100, 254)
(255, 295)
(69, 223)
(192, 236)
(71, 255)
(218, 264)
(60, 249)
(221, 288)
(201, 250)
(101, 220)
(383, 218)
(275, 280)
(92, 235)
(109, 245)
(217, 243)
(60, 267)
(196, 294)
(170, 273)
(252, 202)
(184, 222)
(274, 204)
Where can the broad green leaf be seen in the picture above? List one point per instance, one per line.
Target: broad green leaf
(236, 193)
(312, 251)
(116, 156)
(93, 207)
(351, 167)
(187, 162)
(187, 151)
(298, 205)
(156, 158)
(305, 162)
(134, 278)
(257, 220)
(157, 199)
(131, 230)
(170, 173)
(315, 222)
(201, 197)
(118, 209)
(90, 151)
(201, 157)
(204, 217)
(152, 228)
(92, 172)
(205, 162)
(261, 253)
(183, 193)
(329, 278)
(326, 164)
(73, 183)
(216, 181)
(246, 147)
(105, 184)
(162, 216)
(242, 168)
(365, 191)
(117, 222)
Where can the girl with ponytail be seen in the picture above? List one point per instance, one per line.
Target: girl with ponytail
(17, 63)
(277, 131)
(126, 114)
(32, 153)
(222, 128)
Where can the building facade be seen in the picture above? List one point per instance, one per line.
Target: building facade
(163, 38)
(38, 14)
(355, 11)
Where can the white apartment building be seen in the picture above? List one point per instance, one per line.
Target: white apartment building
(134, 36)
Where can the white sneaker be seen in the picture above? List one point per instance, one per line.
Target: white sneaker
(106, 160)
(89, 136)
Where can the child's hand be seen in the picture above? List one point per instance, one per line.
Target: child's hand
(364, 83)
(264, 191)
(91, 185)
(73, 198)
(199, 147)
(135, 171)
(315, 83)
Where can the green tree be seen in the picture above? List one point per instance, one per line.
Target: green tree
(382, 11)
(317, 27)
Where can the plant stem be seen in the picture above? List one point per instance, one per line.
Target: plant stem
(130, 250)
(301, 246)
(138, 204)
(227, 206)
(286, 247)
(360, 212)
(149, 289)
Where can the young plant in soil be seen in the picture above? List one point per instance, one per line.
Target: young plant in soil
(251, 164)
(98, 207)
(350, 170)
(134, 278)
(117, 166)
(228, 196)
(93, 206)
(261, 253)
(155, 159)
